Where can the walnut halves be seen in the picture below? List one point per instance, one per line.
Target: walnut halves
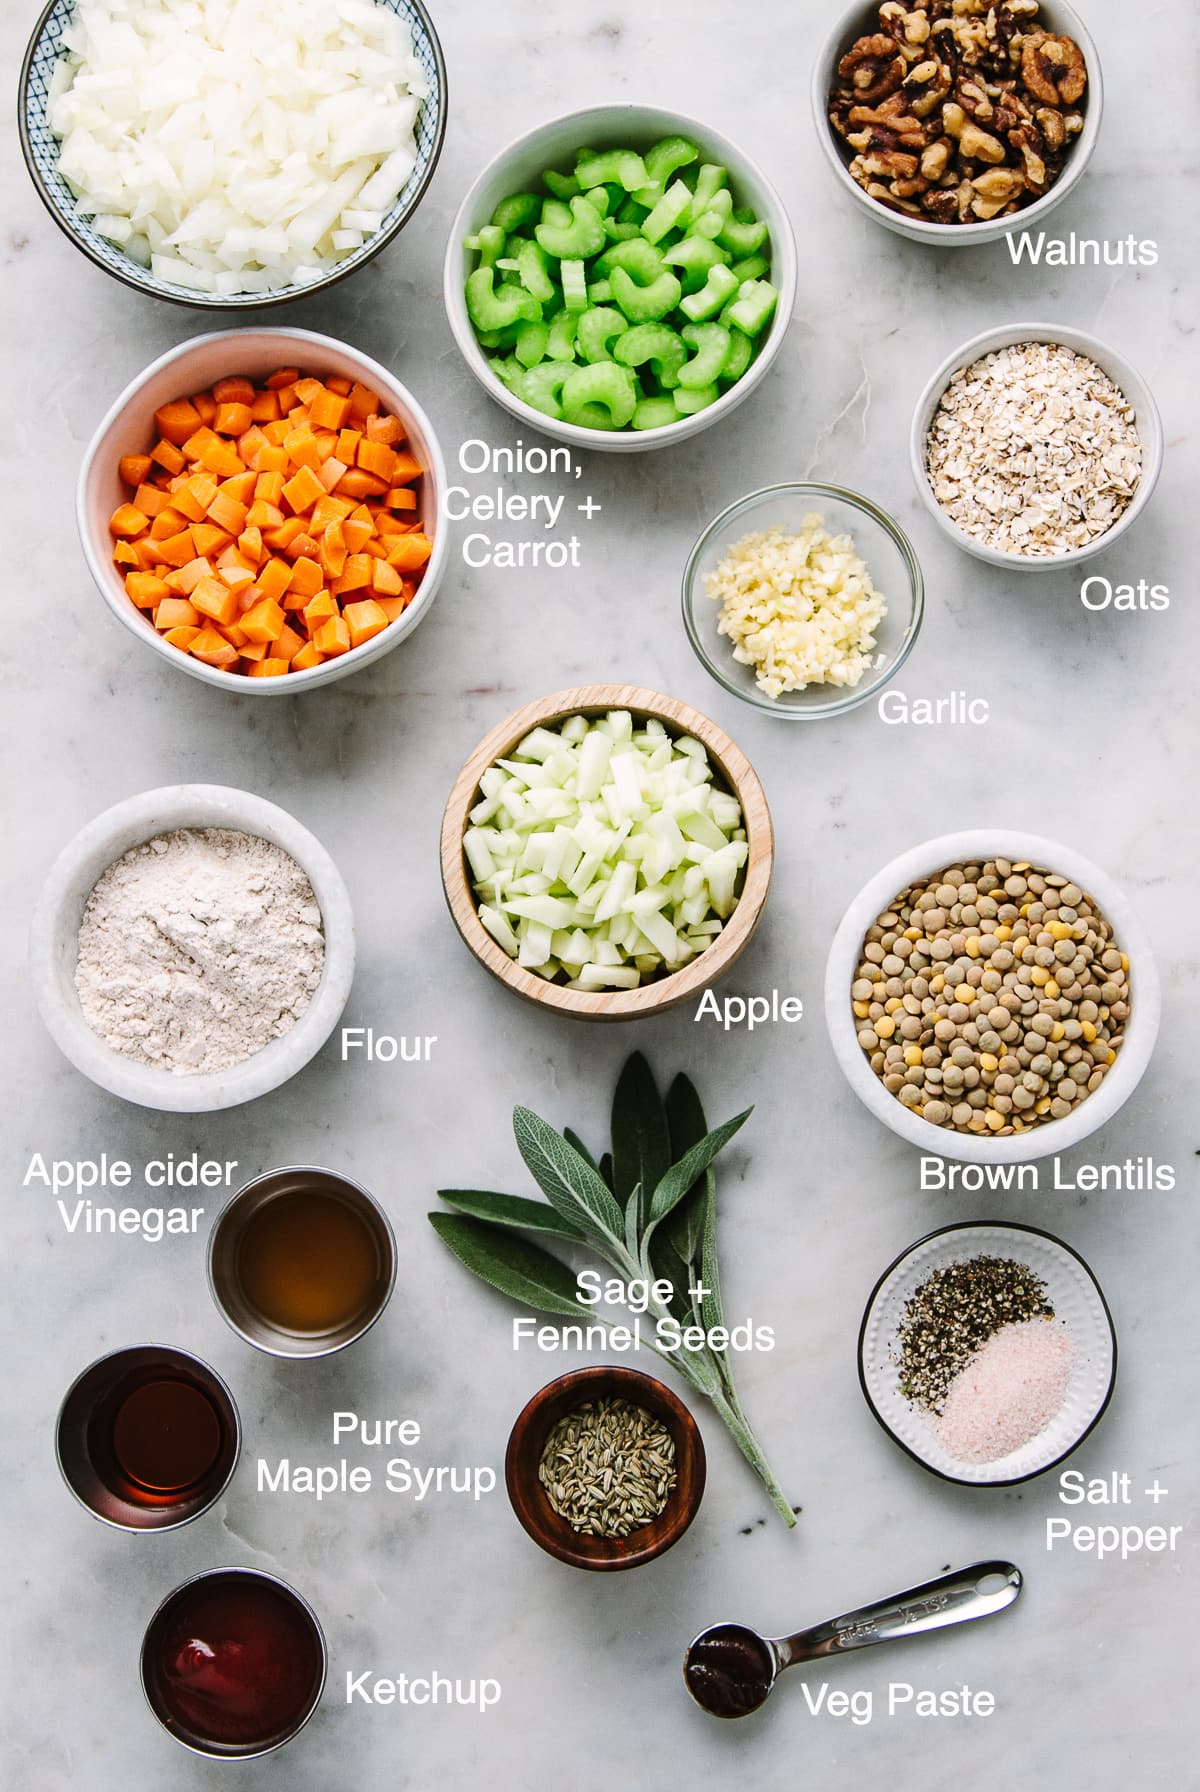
(959, 111)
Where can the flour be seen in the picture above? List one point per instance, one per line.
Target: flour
(197, 948)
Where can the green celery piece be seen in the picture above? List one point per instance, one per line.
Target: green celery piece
(600, 200)
(563, 186)
(711, 343)
(616, 232)
(742, 238)
(533, 265)
(693, 259)
(560, 345)
(600, 396)
(670, 209)
(632, 212)
(711, 180)
(664, 160)
(600, 292)
(657, 344)
(531, 343)
(516, 211)
(490, 309)
(506, 337)
(621, 166)
(741, 353)
(556, 212)
(636, 256)
(509, 369)
(645, 304)
(574, 285)
(541, 387)
(490, 244)
(718, 289)
(655, 413)
(751, 311)
(599, 326)
(713, 221)
(688, 402)
(752, 268)
(581, 239)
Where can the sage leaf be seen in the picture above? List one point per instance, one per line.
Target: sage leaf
(711, 1310)
(681, 1176)
(568, 1181)
(633, 1230)
(522, 1270)
(512, 1211)
(576, 1143)
(641, 1140)
(605, 1167)
(685, 1116)
(666, 1262)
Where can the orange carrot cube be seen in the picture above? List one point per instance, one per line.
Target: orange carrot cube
(176, 612)
(364, 620)
(127, 519)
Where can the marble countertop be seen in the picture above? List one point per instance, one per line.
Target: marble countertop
(1093, 740)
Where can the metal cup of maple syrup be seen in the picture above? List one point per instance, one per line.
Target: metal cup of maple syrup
(301, 1262)
(148, 1438)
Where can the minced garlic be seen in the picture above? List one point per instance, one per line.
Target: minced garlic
(800, 609)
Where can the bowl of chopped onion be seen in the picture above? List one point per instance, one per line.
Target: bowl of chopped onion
(607, 852)
(232, 161)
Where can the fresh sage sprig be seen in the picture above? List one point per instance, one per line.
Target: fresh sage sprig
(647, 1208)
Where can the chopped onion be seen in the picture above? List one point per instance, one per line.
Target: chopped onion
(602, 853)
(236, 145)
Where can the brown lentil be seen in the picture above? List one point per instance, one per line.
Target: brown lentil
(1017, 1015)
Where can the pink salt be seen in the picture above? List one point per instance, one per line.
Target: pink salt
(1008, 1392)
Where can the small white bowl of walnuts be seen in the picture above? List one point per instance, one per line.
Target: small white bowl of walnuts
(958, 121)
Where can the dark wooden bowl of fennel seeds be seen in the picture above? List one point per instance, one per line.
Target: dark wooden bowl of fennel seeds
(529, 1498)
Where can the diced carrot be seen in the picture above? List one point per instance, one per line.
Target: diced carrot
(355, 575)
(146, 589)
(214, 455)
(134, 469)
(264, 622)
(250, 444)
(264, 516)
(328, 410)
(302, 449)
(274, 578)
(213, 649)
(402, 497)
(233, 633)
(234, 391)
(254, 650)
(265, 408)
(411, 551)
(284, 376)
(232, 419)
(191, 573)
(206, 404)
(150, 500)
(144, 550)
(168, 456)
(125, 553)
(216, 600)
(287, 403)
(363, 402)
(385, 580)
(320, 610)
(182, 637)
(280, 536)
(176, 422)
(127, 519)
(333, 550)
(347, 445)
(387, 429)
(357, 484)
(333, 637)
(301, 544)
(303, 489)
(207, 538)
(269, 486)
(272, 668)
(393, 606)
(307, 578)
(364, 620)
(176, 612)
(287, 643)
(328, 510)
(250, 545)
(331, 471)
(407, 467)
(377, 458)
(307, 658)
(195, 495)
(228, 514)
(358, 533)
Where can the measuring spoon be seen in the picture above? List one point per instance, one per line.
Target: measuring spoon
(730, 1669)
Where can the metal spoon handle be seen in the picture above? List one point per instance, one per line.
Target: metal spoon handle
(975, 1592)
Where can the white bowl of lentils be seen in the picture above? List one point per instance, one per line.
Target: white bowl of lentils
(1036, 446)
(994, 916)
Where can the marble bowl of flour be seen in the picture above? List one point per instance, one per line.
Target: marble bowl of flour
(54, 950)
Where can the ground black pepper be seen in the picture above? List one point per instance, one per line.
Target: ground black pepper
(955, 1310)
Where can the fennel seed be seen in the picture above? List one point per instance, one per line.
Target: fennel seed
(608, 1468)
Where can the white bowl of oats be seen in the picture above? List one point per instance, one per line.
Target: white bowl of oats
(1035, 446)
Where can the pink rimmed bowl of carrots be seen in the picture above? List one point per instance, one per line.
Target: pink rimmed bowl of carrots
(264, 509)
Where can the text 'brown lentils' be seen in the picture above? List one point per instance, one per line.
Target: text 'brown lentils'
(991, 997)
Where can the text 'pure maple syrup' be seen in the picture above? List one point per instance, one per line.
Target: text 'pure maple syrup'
(148, 1437)
(302, 1262)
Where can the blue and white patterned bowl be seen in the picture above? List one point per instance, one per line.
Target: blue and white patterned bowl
(40, 148)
